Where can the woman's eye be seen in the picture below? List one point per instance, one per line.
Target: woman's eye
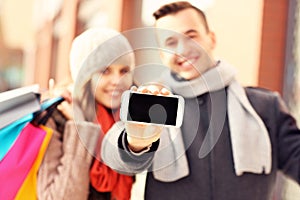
(125, 70)
(105, 72)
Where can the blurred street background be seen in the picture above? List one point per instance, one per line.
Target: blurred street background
(261, 38)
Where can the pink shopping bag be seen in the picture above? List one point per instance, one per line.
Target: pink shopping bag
(17, 163)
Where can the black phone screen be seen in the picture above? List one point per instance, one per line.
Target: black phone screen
(152, 109)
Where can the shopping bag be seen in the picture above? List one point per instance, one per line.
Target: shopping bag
(17, 103)
(10, 133)
(15, 166)
(27, 143)
(28, 188)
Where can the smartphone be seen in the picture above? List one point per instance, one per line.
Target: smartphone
(152, 109)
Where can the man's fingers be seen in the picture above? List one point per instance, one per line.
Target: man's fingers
(165, 91)
(143, 89)
(151, 89)
(133, 88)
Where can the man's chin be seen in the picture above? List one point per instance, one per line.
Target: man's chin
(189, 75)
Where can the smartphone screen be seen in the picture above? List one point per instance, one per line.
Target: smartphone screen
(152, 109)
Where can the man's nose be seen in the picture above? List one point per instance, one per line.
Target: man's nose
(180, 50)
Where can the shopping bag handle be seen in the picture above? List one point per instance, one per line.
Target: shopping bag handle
(49, 106)
(50, 102)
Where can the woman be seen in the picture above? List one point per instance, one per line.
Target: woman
(101, 61)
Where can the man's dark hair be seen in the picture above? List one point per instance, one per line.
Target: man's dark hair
(173, 8)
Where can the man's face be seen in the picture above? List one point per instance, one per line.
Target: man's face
(187, 47)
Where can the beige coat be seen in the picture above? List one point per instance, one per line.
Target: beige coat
(64, 172)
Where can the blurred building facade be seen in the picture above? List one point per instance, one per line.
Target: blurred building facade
(259, 37)
(252, 35)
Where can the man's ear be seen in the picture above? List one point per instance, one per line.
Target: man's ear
(213, 42)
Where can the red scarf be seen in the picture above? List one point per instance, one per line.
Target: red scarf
(103, 178)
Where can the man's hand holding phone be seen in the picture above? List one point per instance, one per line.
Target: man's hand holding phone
(146, 111)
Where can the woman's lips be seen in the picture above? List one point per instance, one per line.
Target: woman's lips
(114, 92)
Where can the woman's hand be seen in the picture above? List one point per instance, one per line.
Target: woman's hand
(66, 107)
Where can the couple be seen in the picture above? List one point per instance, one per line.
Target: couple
(232, 142)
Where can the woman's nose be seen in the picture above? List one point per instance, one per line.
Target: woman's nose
(115, 78)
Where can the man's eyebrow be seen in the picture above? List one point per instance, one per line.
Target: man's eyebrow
(190, 31)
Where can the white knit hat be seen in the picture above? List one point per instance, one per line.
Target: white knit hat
(97, 48)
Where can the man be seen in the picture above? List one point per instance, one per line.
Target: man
(232, 141)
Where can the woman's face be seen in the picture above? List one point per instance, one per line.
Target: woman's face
(108, 85)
